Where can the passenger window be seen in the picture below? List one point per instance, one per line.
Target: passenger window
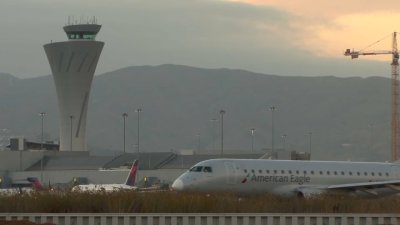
(387, 174)
(373, 174)
(320, 172)
(252, 171)
(350, 173)
(365, 173)
(335, 173)
(312, 171)
(297, 172)
(290, 172)
(260, 171)
(305, 172)
(282, 171)
(267, 171)
(327, 172)
(196, 169)
(342, 173)
(245, 171)
(358, 173)
(207, 169)
(275, 171)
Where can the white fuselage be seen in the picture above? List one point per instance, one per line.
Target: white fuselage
(128, 185)
(102, 187)
(15, 191)
(282, 177)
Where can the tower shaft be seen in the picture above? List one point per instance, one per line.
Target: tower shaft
(73, 64)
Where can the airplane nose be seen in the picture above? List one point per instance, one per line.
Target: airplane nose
(177, 185)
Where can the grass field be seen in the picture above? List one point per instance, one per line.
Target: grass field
(172, 202)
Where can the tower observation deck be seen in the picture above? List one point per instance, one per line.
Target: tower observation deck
(73, 64)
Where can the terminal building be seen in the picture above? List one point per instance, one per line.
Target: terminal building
(68, 168)
(65, 168)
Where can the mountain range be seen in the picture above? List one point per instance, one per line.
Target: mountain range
(347, 118)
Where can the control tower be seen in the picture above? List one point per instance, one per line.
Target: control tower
(73, 64)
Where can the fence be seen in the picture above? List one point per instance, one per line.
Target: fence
(205, 219)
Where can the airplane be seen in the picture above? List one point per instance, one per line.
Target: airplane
(128, 185)
(291, 177)
(36, 186)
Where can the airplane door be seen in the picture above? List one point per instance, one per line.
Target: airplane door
(395, 172)
(231, 173)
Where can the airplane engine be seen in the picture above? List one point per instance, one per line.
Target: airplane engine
(309, 192)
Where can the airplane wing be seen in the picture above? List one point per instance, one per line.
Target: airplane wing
(373, 184)
(367, 187)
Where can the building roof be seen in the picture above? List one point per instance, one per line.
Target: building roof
(72, 163)
(147, 161)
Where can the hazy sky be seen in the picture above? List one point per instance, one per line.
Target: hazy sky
(284, 37)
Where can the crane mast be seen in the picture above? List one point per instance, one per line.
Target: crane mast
(395, 145)
(395, 99)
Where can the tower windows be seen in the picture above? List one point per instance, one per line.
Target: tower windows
(81, 36)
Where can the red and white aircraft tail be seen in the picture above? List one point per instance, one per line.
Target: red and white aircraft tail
(36, 184)
(131, 179)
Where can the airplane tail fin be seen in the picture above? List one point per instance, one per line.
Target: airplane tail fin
(130, 180)
(36, 184)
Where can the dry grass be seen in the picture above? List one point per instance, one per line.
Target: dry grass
(171, 202)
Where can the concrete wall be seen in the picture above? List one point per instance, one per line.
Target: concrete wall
(17, 160)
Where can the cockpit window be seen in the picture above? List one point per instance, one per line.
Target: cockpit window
(196, 169)
(207, 169)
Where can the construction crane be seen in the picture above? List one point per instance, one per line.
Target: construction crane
(395, 89)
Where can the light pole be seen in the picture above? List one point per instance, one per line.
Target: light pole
(71, 117)
(284, 141)
(42, 114)
(213, 121)
(309, 142)
(272, 109)
(198, 141)
(252, 130)
(124, 116)
(222, 112)
(139, 110)
(371, 126)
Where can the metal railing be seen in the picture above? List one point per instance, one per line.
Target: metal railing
(205, 219)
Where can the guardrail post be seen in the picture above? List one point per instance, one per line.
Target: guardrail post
(162, 220)
(138, 220)
(91, 220)
(394, 220)
(258, 220)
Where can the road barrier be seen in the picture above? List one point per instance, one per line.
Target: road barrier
(204, 219)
